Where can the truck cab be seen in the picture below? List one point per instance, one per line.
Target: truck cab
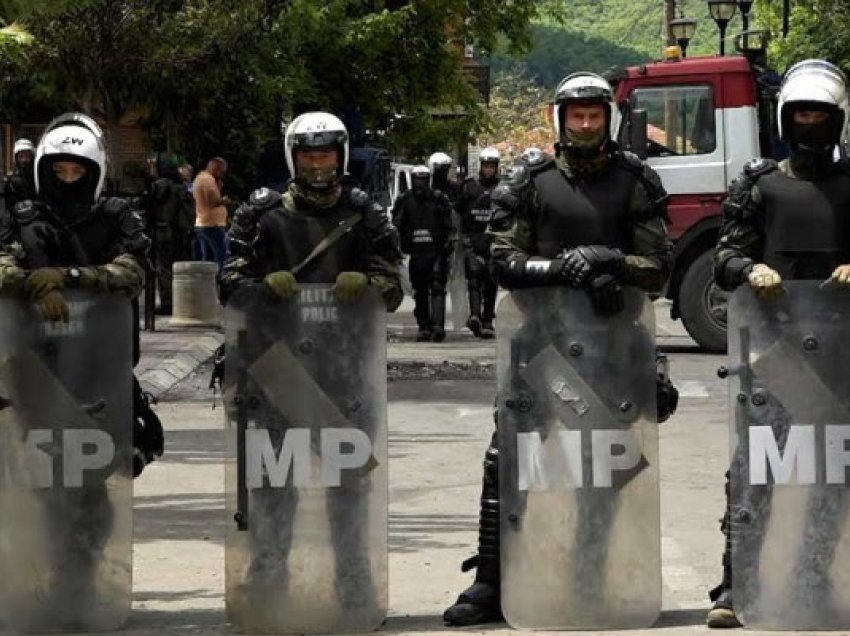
(705, 118)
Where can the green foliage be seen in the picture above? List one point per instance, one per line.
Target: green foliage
(216, 76)
(818, 29)
(560, 51)
(595, 35)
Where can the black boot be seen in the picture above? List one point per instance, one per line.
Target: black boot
(482, 602)
(474, 321)
(722, 613)
(438, 316)
(488, 331)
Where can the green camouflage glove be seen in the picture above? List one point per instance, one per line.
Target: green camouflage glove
(53, 306)
(350, 286)
(43, 280)
(282, 284)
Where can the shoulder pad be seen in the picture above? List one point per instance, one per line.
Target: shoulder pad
(375, 217)
(647, 176)
(506, 195)
(243, 213)
(759, 167)
(115, 206)
(518, 178)
(359, 198)
(26, 211)
(631, 160)
(264, 198)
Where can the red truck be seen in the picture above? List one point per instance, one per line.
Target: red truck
(699, 120)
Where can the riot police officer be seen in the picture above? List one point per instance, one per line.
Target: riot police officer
(473, 207)
(170, 210)
(788, 221)
(423, 216)
(440, 164)
(591, 217)
(20, 182)
(319, 230)
(69, 237)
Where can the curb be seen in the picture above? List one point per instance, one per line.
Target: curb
(167, 371)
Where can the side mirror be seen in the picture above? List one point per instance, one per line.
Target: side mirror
(637, 133)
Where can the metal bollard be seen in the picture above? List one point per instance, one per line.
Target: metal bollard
(195, 297)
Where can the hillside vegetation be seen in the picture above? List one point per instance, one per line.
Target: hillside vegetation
(598, 34)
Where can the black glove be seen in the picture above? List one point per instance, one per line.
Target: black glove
(148, 438)
(583, 263)
(606, 295)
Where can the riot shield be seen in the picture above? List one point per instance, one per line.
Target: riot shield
(578, 463)
(790, 421)
(306, 475)
(66, 448)
(457, 279)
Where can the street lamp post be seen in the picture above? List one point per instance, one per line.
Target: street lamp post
(682, 29)
(745, 6)
(721, 12)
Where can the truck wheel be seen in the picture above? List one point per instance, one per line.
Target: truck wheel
(702, 305)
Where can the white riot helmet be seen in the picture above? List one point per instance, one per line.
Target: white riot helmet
(23, 145)
(420, 178)
(317, 130)
(489, 155)
(814, 85)
(583, 88)
(71, 137)
(439, 159)
(440, 164)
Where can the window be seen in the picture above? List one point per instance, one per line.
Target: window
(680, 119)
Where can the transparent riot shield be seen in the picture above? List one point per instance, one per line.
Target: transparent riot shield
(790, 425)
(457, 280)
(578, 462)
(306, 475)
(66, 452)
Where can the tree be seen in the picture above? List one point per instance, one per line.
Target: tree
(216, 76)
(818, 29)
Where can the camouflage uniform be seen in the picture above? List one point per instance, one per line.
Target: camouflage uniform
(108, 243)
(546, 208)
(516, 208)
(274, 232)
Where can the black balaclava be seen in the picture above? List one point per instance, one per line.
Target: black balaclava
(71, 201)
(813, 145)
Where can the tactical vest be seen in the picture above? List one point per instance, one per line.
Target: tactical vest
(806, 224)
(573, 212)
(477, 214)
(286, 238)
(47, 242)
(422, 224)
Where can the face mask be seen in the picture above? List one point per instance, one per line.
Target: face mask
(318, 178)
(584, 144)
(813, 137)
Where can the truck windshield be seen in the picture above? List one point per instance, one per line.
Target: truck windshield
(680, 119)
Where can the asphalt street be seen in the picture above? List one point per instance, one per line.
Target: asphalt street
(438, 432)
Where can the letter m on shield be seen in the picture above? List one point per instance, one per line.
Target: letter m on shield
(261, 458)
(799, 453)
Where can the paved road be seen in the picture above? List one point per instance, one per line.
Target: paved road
(439, 430)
